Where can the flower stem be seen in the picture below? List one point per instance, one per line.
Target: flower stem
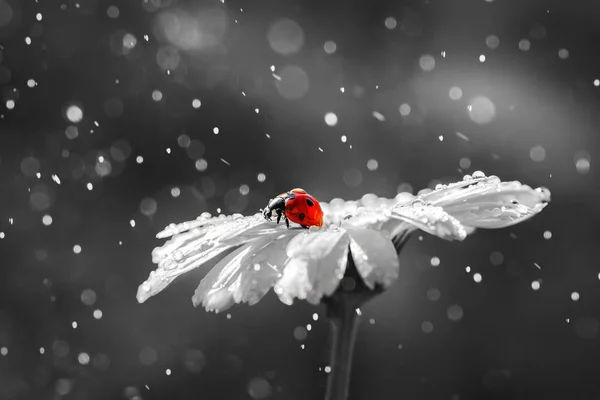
(342, 312)
(344, 325)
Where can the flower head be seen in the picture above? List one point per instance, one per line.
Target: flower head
(309, 264)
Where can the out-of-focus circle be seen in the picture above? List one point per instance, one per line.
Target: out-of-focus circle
(148, 206)
(148, 356)
(129, 41)
(194, 360)
(524, 45)
(300, 333)
(196, 103)
(372, 165)
(63, 387)
(496, 258)
(455, 93)
(88, 297)
(481, 110)
(404, 109)
(433, 294)
(71, 132)
(201, 164)
(427, 326)
(492, 41)
(6, 13)
(353, 177)
(537, 32)
(30, 166)
(261, 177)
(455, 312)
(330, 47)
(537, 153)
(195, 150)
(74, 113)
(259, 388)
(582, 161)
(285, 37)
(167, 58)
(563, 54)
(244, 190)
(293, 83)
(331, 119)
(113, 12)
(427, 62)
(183, 140)
(464, 163)
(391, 23)
(157, 95)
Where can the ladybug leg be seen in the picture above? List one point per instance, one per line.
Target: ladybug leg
(287, 221)
(278, 216)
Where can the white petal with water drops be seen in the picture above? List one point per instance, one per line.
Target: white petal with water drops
(190, 249)
(317, 262)
(374, 256)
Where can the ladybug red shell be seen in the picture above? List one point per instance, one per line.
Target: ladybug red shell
(297, 206)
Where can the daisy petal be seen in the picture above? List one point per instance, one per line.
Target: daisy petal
(433, 220)
(486, 202)
(458, 191)
(316, 265)
(188, 250)
(374, 256)
(217, 288)
(263, 270)
(203, 220)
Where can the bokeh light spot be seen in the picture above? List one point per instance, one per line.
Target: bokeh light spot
(492, 41)
(148, 206)
(330, 47)
(74, 113)
(201, 164)
(293, 83)
(372, 165)
(113, 12)
(563, 54)
(427, 326)
(537, 153)
(157, 95)
(524, 45)
(455, 93)
(455, 312)
(404, 109)
(352, 177)
(481, 110)
(285, 37)
(259, 388)
(427, 62)
(331, 119)
(391, 23)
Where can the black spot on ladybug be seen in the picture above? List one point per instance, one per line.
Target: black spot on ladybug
(309, 202)
(301, 216)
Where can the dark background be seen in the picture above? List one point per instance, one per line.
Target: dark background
(512, 342)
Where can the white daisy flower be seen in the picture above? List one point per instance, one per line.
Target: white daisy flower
(309, 264)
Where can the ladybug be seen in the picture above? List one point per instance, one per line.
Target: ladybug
(297, 206)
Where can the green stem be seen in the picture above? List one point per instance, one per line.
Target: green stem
(344, 324)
